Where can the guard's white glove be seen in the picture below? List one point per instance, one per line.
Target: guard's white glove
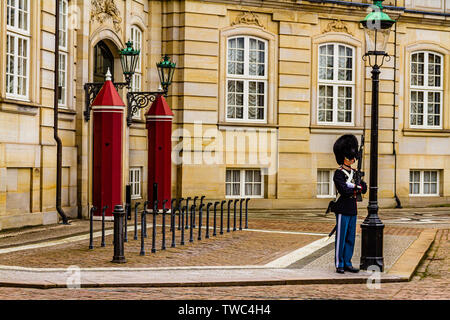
(350, 185)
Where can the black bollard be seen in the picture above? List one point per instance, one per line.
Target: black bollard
(155, 210)
(128, 201)
(228, 222)
(200, 210)
(103, 226)
(144, 220)
(179, 211)
(172, 223)
(201, 203)
(142, 253)
(240, 213)
(91, 227)
(163, 246)
(215, 218)
(207, 219)
(119, 215)
(136, 219)
(221, 216)
(172, 208)
(234, 217)
(186, 216)
(191, 235)
(125, 225)
(182, 226)
(195, 206)
(246, 212)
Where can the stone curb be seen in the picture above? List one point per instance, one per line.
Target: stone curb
(408, 262)
(44, 284)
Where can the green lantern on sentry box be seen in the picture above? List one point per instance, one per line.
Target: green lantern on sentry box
(377, 26)
(129, 58)
(166, 69)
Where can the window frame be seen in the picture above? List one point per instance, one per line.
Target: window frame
(426, 89)
(134, 31)
(242, 183)
(332, 188)
(25, 35)
(336, 84)
(135, 182)
(247, 78)
(14, 95)
(422, 181)
(15, 29)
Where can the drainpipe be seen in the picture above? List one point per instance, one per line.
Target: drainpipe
(55, 121)
(397, 200)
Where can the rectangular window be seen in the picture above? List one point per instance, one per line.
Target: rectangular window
(18, 15)
(63, 55)
(17, 49)
(424, 183)
(426, 92)
(336, 85)
(62, 79)
(63, 23)
(17, 62)
(244, 183)
(325, 184)
(135, 182)
(246, 96)
(136, 80)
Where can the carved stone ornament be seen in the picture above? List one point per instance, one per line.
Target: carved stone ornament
(106, 9)
(337, 26)
(247, 18)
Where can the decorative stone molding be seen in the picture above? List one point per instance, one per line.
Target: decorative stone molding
(106, 9)
(337, 26)
(248, 18)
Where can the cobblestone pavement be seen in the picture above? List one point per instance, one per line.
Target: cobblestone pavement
(431, 282)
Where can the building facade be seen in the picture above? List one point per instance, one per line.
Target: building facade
(261, 91)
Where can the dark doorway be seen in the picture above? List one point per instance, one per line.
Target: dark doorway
(103, 59)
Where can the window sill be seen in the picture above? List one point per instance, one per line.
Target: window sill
(19, 106)
(247, 124)
(336, 129)
(426, 132)
(424, 195)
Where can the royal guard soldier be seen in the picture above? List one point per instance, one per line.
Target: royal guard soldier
(346, 151)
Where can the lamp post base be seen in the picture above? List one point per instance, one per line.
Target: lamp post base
(372, 244)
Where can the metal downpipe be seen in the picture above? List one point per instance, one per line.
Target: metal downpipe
(55, 122)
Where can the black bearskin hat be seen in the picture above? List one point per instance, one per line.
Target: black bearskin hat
(345, 146)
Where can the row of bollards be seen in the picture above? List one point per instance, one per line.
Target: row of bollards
(186, 221)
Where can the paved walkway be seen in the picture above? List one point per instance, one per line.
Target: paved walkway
(310, 264)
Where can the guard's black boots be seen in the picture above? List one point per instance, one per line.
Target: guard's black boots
(340, 270)
(351, 269)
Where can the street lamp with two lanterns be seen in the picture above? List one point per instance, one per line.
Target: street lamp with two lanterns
(135, 100)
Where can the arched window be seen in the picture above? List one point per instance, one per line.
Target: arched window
(17, 49)
(246, 89)
(426, 90)
(336, 84)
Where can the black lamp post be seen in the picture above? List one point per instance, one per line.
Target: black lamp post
(377, 26)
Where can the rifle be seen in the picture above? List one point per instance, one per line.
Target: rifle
(359, 174)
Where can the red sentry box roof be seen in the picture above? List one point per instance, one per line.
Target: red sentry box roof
(108, 96)
(159, 108)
